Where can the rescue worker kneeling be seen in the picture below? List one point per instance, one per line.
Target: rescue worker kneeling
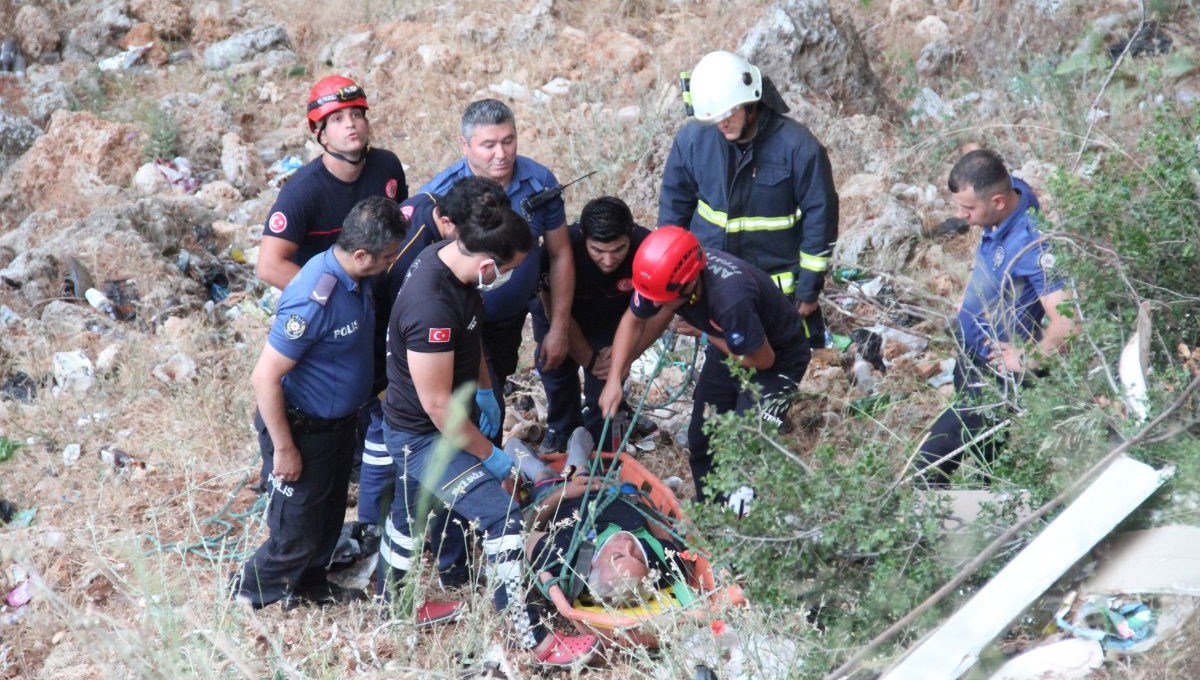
(727, 302)
(433, 348)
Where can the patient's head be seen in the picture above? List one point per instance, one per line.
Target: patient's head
(620, 570)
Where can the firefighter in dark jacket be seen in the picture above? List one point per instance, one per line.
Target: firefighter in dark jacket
(750, 181)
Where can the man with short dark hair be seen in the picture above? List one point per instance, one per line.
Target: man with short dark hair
(603, 244)
(489, 143)
(313, 375)
(1009, 320)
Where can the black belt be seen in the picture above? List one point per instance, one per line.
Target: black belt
(302, 422)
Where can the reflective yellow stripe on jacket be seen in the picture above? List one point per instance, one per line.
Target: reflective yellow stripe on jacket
(748, 223)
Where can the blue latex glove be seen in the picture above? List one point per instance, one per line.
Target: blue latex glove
(489, 412)
(499, 464)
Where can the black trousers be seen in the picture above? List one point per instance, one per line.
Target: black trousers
(304, 517)
(717, 387)
(563, 412)
(972, 413)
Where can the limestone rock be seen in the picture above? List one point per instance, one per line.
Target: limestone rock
(617, 51)
(937, 57)
(244, 46)
(169, 18)
(80, 162)
(142, 34)
(201, 121)
(17, 134)
(348, 52)
(240, 164)
(801, 41)
(932, 28)
(94, 28)
(35, 31)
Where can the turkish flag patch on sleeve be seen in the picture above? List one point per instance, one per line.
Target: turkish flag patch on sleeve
(439, 335)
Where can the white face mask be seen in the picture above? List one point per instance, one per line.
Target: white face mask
(501, 277)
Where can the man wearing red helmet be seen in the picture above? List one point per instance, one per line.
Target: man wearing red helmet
(307, 216)
(738, 311)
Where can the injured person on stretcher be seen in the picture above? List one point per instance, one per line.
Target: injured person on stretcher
(597, 537)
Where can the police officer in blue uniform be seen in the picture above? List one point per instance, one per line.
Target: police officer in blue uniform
(307, 216)
(752, 182)
(734, 307)
(603, 244)
(1009, 321)
(435, 348)
(313, 375)
(489, 142)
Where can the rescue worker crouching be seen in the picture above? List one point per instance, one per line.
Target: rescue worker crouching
(435, 347)
(733, 307)
(313, 375)
(1008, 323)
(752, 182)
(603, 244)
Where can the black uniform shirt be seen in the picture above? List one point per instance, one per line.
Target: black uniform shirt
(740, 304)
(310, 208)
(600, 299)
(435, 312)
(422, 231)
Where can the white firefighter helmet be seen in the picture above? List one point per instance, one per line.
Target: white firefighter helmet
(721, 82)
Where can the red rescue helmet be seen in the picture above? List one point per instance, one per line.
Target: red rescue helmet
(333, 93)
(669, 259)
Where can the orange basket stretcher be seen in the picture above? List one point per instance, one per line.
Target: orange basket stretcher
(635, 625)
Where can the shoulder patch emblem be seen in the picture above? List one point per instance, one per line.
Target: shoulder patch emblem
(324, 287)
(407, 211)
(294, 327)
(439, 335)
(390, 188)
(278, 223)
(625, 285)
(1046, 261)
(998, 257)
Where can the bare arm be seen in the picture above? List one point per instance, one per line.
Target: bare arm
(632, 338)
(266, 379)
(562, 291)
(274, 264)
(433, 378)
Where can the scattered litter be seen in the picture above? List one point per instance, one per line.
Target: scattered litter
(71, 454)
(77, 281)
(73, 371)
(1117, 624)
(282, 169)
(731, 655)
(741, 501)
(868, 289)
(100, 302)
(23, 518)
(1135, 364)
(89, 418)
(646, 444)
(119, 459)
(951, 649)
(839, 342)
(7, 511)
(945, 374)
(845, 274)
(19, 386)
(869, 347)
(20, 596)
(1070, 659)
(179, 368)
(125, 60)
